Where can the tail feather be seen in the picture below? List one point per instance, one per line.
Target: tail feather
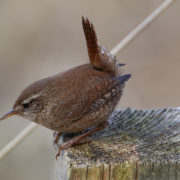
(99, 56)
(124, 78)
(121, 64)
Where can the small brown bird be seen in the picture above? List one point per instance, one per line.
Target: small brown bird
(80, 98)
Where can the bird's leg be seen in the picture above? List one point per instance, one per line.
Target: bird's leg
(81, 139)
(56, 137)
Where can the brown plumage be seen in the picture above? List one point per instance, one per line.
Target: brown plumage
(99, 57)
(77, 99)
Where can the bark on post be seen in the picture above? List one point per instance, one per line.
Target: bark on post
(139, 144)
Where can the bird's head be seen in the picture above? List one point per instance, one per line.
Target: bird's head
(29, 104)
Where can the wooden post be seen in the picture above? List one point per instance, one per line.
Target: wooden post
(139, 144)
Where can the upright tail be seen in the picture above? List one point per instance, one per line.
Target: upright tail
(99, 57)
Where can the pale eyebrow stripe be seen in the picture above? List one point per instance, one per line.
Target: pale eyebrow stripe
(34, 96)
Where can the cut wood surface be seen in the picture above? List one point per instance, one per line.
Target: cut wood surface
(139, 144)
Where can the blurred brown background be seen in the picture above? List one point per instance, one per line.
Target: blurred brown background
(43, 37)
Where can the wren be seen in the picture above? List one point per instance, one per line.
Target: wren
(77, 99)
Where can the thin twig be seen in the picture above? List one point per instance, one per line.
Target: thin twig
(133, 34)
(19, 138)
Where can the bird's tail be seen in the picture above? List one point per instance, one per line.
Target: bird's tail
(100, 57)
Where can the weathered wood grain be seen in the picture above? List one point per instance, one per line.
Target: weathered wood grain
(139, 144)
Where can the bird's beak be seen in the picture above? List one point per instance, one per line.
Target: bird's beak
(12, 112)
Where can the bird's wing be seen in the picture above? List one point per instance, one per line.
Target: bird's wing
(96, 92)
(100, 57)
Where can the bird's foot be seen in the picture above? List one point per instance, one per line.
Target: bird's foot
(81, 139)
(56, 137)
(71, 143)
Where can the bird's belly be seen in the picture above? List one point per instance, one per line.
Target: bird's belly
(89, 120)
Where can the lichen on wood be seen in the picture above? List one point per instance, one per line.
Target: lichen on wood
(139, 144)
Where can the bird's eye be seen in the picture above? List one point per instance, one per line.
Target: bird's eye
(26, 105)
